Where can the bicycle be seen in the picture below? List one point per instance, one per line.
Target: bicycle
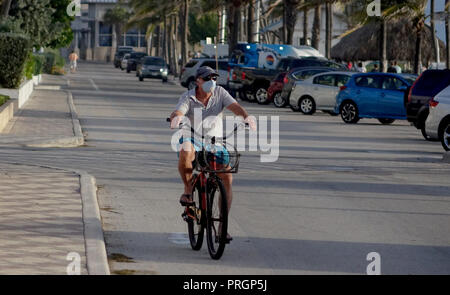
(210, 210)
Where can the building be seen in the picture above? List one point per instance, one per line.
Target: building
(93, 38)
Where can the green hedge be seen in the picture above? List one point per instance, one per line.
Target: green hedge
(30, 65)
(3, 99)
(14, 49)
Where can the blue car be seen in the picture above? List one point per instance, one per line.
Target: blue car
(374, 95)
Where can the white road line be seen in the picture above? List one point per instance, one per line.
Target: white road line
(94, 85)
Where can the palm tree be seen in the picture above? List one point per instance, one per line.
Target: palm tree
(117, 17)
(415, 10)
(315, 40)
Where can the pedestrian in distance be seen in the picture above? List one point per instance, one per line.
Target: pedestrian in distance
(375, 68)
(73, 57)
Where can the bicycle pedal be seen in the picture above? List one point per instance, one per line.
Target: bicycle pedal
(185, 216)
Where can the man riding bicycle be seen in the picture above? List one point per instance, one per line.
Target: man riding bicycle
(210, 100)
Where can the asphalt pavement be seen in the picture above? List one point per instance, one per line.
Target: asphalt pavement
(336, 193)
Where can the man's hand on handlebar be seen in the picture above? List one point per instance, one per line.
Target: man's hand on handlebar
(251, 122)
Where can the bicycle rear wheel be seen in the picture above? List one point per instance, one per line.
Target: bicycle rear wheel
(196, 226)
(217, 217)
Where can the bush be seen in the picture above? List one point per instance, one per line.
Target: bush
(39, 60)
(14, 49)
(30, 65)
(52, 59)
(3, 99)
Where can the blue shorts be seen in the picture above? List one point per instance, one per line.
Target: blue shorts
(222, 155)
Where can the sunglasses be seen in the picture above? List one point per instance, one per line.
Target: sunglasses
(214, 78)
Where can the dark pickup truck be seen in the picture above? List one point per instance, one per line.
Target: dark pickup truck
(252, 83)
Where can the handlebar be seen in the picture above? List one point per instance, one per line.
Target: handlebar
(213, 138)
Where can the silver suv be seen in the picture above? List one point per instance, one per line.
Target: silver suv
(187, 78)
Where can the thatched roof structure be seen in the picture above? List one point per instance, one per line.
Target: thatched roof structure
(364, 43)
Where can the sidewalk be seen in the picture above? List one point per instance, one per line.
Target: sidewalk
(47, 213)
(48, 119)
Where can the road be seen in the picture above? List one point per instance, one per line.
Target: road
(336, 193)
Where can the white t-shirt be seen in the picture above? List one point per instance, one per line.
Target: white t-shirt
(207, 117)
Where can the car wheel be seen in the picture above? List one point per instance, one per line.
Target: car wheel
(444, 134)
(386, 121)
(164, 80)
(261, 95)
(128, 70)
(307, 105)
(192, 84)
(349, 113)
(141, 78)
(279, 101)
(249, 95)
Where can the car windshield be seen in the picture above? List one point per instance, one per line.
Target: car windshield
(154, 61)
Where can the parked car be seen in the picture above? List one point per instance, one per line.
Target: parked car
(428, 85)
(438, 121)
(373, 95)
(318, 92)
(187, 77)
(121, 51)
(153, 67)
(124, 61)
(134, 59)
(280, 91)
(253, 83)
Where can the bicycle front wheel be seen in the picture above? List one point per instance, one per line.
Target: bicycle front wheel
(217, 217)
(196, 221)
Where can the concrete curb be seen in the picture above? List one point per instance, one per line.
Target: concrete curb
(446, 157)
(96, 257)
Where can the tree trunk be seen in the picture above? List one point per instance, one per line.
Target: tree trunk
(383, 46)
(418, 56)
(158, 40)
(234, 20)
(173, 37)
(184, 30)
(447, 34)
(170, 45)
(114, 41)
(164, 44)
(5, 8)
(291, 15)
(329, 29)
(305, 27)
(250, 20)
(433, 33)
(315, 40)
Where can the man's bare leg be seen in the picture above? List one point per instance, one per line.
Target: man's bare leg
(187, 155)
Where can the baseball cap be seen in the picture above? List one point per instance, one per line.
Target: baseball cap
(205, 71)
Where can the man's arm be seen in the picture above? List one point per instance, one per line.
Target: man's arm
(238, 110)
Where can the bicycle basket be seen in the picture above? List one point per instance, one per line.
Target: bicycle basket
(224, 156)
